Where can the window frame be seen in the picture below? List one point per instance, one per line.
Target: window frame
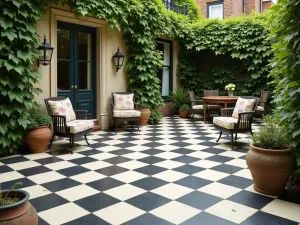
(171, 69)
(208, 4)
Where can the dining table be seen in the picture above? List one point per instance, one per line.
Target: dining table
(225, 100)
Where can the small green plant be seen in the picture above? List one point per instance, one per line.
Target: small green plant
(184, 107)
(271, 135)
(6, 199)
(38, 120)
(179, 98)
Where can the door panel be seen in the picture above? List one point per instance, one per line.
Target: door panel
(76, 66)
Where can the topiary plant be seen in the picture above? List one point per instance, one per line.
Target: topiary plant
(38, 120)
(179, 98)
(184, 108)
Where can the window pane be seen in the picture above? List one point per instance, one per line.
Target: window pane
(84, 46)
(63, 44)
(84, 75)
(165, 82)
(216, 11)
(63, 75)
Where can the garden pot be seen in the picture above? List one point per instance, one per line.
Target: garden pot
(184, 114)
(38, 139)
(270, 169)
(145, 116)
(19, 213)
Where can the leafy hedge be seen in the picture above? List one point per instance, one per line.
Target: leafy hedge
(285, 33)
(235, 50)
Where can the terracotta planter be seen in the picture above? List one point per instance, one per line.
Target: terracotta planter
(38, 139)
(270, 169)
(20, 213)
(184, 114)
(145, 116)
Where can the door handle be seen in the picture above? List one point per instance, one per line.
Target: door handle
(75, 86)
(72, 86)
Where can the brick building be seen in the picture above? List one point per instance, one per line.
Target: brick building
(227, 8)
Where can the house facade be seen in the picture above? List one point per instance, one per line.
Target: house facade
(82, 67)
(232, 8)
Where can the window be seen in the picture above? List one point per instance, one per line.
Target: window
(215, 10)
(165, 74)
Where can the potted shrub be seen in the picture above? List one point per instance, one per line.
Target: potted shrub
(15, 208)
(38, 133)
(270, 159)
(145, 115)
(180, 101)
(184, 111)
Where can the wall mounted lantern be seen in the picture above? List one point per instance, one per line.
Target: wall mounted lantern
(46, 53)
(118, 58)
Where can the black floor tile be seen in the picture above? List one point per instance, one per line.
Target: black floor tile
(12, 160)
(105, 184)
(49, 160)
(47, 202)
(227, 168)
(150, 170)
(262, 218)
(89, 219)
(152, 151)
(117, 160)
(61, 184)
(207, 219)
(25, 183)
(34, 170)
(151, 160)
(189, 169)
(193, 182)
(147, 219)
(219, 158)
(72, 171)
(111, 170)
(83, 160)
(5, 169)
(236, 181)
(149, 183)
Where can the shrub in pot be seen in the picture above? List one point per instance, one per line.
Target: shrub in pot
(270, 159)
(15, 208)
(179, 98)
(145, 114)
(38, 133)
(184, 111)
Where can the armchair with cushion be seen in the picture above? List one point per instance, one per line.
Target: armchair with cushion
(238, 119)
(124, 108)
(66, 121)
(262, 105)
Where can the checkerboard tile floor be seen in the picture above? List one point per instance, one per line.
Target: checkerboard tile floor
(170, 173)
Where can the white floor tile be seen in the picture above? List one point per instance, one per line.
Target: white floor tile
(23, 165)
(78, 192)
(88, 177)
(129, 176)
(172, 191)
(36, 191)
(125, 192)
(170, 175)
(46, 177)
(219, 190)
(205, 163)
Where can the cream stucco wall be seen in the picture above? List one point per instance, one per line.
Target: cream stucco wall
(108, 40)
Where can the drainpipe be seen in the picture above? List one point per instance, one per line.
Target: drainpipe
(261, 5)
(244, 6)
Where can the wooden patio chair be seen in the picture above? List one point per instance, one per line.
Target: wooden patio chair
(262, 105)
(197, 105)
(238, 119)
(124, 108)
(66, 121)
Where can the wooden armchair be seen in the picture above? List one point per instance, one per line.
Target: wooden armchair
(66, 121)
(237, 120)
(262, 105)
(124, 112)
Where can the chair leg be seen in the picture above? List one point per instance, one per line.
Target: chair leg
(231, 140)
(137, 124)
(116, 127)
(220, 136)
(251, 132)
(51, 141)
(86, 139)
(236, 136)
(72, 138)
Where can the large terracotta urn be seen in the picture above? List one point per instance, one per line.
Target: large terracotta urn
(145, 116)
(38, 139)
(270, 169)
(19, 213)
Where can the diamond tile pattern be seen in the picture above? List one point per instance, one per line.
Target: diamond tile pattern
(170, 173)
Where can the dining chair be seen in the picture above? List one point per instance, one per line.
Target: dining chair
(262, 105)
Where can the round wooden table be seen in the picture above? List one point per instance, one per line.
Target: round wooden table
(217, 99)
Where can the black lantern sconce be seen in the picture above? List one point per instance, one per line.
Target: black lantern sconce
(118, 58)
(46, 53)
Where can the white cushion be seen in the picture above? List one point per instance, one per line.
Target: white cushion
(260, 108)
(243, 105)
(77, 126)
(123, 102)
(225, 122)
(62, 108)
(126, 113)
(197, 107)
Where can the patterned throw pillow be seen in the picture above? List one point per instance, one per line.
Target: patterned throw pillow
(63, 108)
(123, 102)
(243, 105)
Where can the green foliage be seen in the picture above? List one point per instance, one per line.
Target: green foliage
(271, 135)
(38, 120)
(184, 107)
(285, 33)
(179, 98)
(18, 49)
(242, 51)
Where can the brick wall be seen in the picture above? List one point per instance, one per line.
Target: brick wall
(266, 5)
(167, 109)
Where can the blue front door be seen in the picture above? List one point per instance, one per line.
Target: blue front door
(76, 65)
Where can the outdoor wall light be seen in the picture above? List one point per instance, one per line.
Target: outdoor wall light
(118, 58)
(46, 53)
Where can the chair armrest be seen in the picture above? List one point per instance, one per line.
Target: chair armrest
(199, 100)
(81, 114)
(227, 112)
(59, 123)
(245, 120)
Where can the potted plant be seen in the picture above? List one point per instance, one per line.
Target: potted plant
(15, 208)
(230, 88)
(180, 101)
(270, 159)
(145, 114)
(38, 133)
(184, 111)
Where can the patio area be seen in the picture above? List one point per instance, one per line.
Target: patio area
(170, 173)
